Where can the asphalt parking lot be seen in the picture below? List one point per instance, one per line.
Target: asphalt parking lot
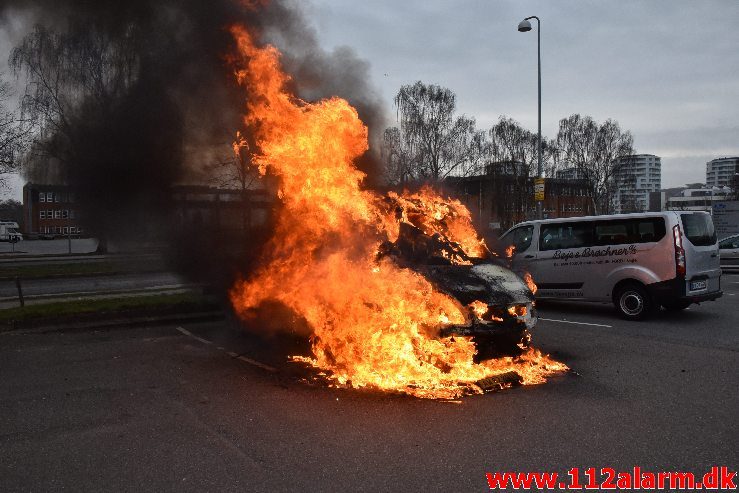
(204, 407)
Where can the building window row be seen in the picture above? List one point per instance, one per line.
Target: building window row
(50, 197)
(571, 208)
(56, 214)
(61, 230)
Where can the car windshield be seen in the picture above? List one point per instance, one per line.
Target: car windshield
(419, 248)
(730, 242)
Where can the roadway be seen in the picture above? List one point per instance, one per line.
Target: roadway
(51, 289)
(208, 407)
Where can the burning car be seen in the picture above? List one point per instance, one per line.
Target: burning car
(368, 272)
(499, 304)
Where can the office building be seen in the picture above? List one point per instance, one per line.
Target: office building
(722, 172)
(635, 177)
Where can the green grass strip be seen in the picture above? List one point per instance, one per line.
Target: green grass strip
(64, 309)
(48, 270)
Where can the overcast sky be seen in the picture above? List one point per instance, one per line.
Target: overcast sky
(666, 70)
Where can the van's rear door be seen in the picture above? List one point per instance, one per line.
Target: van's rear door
(702, 261)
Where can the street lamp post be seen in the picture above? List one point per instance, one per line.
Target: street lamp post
(525, 26)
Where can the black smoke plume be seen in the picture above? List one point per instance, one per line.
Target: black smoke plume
(130, 137)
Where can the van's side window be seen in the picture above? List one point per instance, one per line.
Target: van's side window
(565, 235)
(651, 229)
(621, 231)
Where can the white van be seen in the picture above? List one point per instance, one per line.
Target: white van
(9, 231)
(637, 261)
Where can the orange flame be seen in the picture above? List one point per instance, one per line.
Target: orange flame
(530, 283)
(239, 144)
(375, 325)
(434, 215)
(517, 311)
(479, 308)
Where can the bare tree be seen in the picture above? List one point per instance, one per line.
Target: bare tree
(512, 152)
(70, 75)
(431, 143)
(12, 135)
(509, 141)
(398, 160)
(594, 150)
(104, 122)
(238, 171)
(513, 159)
(11, 210)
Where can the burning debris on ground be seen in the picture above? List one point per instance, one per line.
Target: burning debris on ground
(333, 257)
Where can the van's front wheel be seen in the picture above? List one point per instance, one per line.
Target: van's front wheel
(633, 302)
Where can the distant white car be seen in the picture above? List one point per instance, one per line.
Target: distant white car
(729, 251)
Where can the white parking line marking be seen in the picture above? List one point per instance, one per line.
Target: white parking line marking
(257, 363)
(190, 334)
(576, 323)
(230, 353)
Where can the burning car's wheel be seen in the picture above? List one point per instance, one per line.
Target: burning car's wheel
(501, 344)
(632, 301)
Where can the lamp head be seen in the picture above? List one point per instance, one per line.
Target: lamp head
(524, 26)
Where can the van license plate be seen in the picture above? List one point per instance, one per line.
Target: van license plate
(696, 285)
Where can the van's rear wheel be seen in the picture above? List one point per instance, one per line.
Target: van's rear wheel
(633, 302)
